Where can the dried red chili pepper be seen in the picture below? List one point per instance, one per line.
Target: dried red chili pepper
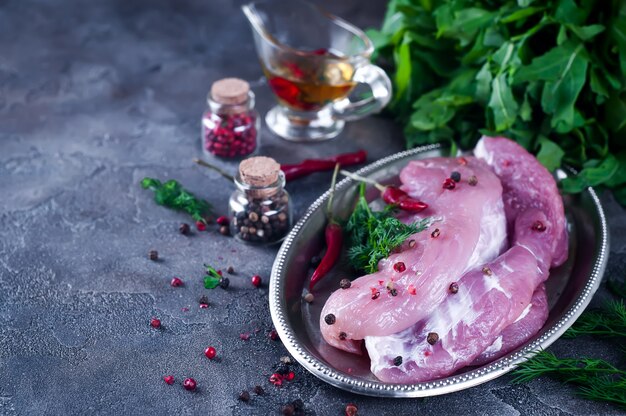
(392, 195)
(308, 166)
(334, 240)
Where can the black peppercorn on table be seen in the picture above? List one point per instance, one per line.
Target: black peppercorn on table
(94, 96)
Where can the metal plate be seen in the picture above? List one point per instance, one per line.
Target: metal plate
(570, 288)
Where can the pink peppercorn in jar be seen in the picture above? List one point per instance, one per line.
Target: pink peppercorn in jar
(230, 125)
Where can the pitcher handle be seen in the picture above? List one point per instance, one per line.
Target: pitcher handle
(380, 85)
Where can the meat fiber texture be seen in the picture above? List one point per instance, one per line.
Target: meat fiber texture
(469, 228)
(493, 300)
(519, 332)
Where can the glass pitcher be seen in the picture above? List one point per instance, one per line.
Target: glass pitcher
(313, 61)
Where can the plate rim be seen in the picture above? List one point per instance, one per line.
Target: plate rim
(441, 386)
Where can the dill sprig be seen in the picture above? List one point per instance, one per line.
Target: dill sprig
(596, 379)
(374, 234)
(610, 321)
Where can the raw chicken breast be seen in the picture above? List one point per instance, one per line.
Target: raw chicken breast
(471, 228)
(524, 328)
(527, 184)
(489, 299)
(465, 324)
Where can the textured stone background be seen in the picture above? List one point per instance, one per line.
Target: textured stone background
(93, 97)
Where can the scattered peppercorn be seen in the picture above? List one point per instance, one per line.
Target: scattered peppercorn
(244, 336)
(153, 255)
(286, 360)
(224, 282)
(273, 335)
(224, 230)
(455, 176)
(169, 380)
(222, 220)
(210, 352)
(412, 243)
(256, 280)
(432, 338)
(155, 323)
(538, 226)
(397, 361)
(200, 225)
(184, 228)
(204, 301)
(189, 384)
(375, 295)
(351, 409)
(298, 404)
(258, 390)
(472, 181)
(244, 396)
(176, 282)
(399, 267)
(454, 287)
(309, 297)
(449, 184)
(330, 319)
(487, 271)
(343, 336)
(276, 379)
(290, 376)
(230, 270)
(462, 161)
(345, 284)
(288, 409)
(411, 289)
(435, 233)
(315, 261)
(393, 292)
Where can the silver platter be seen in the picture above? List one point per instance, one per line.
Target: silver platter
(570, 288)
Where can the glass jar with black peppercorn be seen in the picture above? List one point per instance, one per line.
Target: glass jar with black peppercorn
(230, 125)
(260, 209)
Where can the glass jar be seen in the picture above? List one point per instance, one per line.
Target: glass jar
(260, 214)
(230, 126)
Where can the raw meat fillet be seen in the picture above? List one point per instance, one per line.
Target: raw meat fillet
(471, 229)
(524, 328)
(526, 184)
(489, 298)
(466, 323)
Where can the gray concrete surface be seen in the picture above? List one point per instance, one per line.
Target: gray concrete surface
(93, 97)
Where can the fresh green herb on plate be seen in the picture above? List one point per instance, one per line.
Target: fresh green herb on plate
(372, 235)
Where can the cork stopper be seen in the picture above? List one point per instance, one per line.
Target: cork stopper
(230, 91)
(259, 171)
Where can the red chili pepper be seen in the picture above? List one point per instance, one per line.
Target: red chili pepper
(412, 205)
(308, 166)
(334, 241)
(333, 235)
(392, 195)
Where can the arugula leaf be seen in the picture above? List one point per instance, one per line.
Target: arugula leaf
(591, 176)
(502, 103)
(550, 75)
(550, 154)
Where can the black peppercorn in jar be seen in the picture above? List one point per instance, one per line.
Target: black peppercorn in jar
(260, 209)
(230, 125)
